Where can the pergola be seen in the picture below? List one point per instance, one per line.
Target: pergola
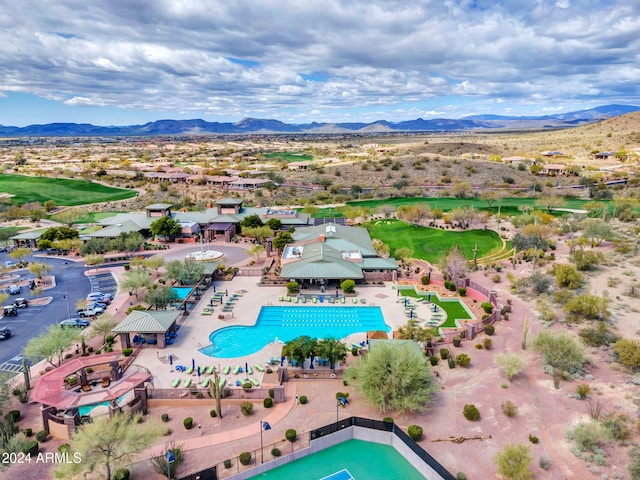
(147, 322)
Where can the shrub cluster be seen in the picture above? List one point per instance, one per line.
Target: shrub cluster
(188, 423)
(246, 408)
(42, 436)
(291, 435)
(509, 408)
(245, 458)
(471, 412)
(267, 402)
(463, 360)
(415, 432)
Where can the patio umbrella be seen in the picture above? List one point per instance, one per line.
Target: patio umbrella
(193, 363)
(246, 367)
(170, 359)
(214, 289)
(336, 293)
(198, 370)
(435, 307)
(410, 313)
(428, 297)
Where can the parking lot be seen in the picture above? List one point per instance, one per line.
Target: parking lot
(71, 285)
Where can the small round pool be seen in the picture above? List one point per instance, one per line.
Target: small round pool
(287, 323)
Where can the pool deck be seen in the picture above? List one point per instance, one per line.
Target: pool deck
(197, 326)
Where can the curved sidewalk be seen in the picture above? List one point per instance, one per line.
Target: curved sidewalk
(279, 412)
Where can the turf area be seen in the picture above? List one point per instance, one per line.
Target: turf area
(432, 244)
(62, 191)
(454, 309)
(289, 157)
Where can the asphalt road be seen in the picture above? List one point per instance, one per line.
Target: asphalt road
(31, 321)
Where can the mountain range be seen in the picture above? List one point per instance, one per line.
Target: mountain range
(269, 126)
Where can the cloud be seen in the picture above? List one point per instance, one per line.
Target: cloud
(247, 58)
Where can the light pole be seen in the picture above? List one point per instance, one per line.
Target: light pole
(66, 297)
(170, 459)
(337, 406)
(266, 426)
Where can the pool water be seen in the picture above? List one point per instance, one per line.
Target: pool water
(181, 292)
(86, 409)
(363, 460)
(287, 323)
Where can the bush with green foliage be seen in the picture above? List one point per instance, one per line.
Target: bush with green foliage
(583, 390)
(267, 402)
(511, 363)
(463, 360)
(27, 432)
(634, 463)
(165, 417)
(487, 343)
(42, 436)
(449, 285)
(489, 329)
(213, 413)
(415, 432)
(188, 423)
(245, 458)
(588, 436)
(462, 291)
(434, 360)
(471, 412)
(444, 353)
(567, 276)
(387, 420)
(291, 435)
(293, 287)
(617, 426)
(348, 286)
(461, 476)
(127, 352)
(598, 335)
(276, 452)
(12, 415)
(303, 399)
(31, 448)
(246, 408)
(121, 474)
(487, 307)
(628, 351)
(509, 408)
(513, 462)
(227, 463)
(457, 341)
(425, 279)
(272, 393)
(533, 439)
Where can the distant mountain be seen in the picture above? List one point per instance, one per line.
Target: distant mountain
(264, 126)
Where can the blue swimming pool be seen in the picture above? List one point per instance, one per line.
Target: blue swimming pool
(181, 292)
(287, 323)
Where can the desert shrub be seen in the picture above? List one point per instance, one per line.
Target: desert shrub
(444, 353)
(496, 278)
(415, 432)
(457, 341)
(533, 439)
(588, 436)
(21, 393)
(291, 435)
(31, 448)
(188, 423)
(583, 390)
(487, 343)
(12, 415)
(424, 280)
(598, 335)
(165, 417)
(463, 360)
(461, 476)
(434, 361)
(227, 463)
(42, 436)
(127, 352)
(487, 307)
(272, 393)
(303, 399)
(387, 420)
(267, 402)
(27, 432)
(479, 345)
(509, 408)
(246, 408)
(634, 463)
(617, 426)
(213, 413)
(628, 352)
(511, 363)
(462, 291)
(247, 385)
(471, 412)
(245, 458)
(121, 474)
(276, 452)
(513, 462)
(449, 285)
(489, 329)
(545, 463)
(354, 351)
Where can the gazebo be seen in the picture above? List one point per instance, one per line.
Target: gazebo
(145, 323)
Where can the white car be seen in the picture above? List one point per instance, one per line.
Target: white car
(14, 289)
(89, 312)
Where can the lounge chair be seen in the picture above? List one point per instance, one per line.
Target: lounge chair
(175, 383)
(210, 369)
(226, 369)
(186, 383)
(295, 299)
(207, 311)
(260, 368)
(303, 300)
(288, 299)
(222, 382)
(281, 298)
(363, 300)
(355, 300)
(86, 387)
(314, 300)
(255, 382)
(249, 370)
(330, 299)
(204, 383)
(341, 299)
(106, 381)
(236, 370)
(189, 370)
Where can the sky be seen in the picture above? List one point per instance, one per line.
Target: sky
(124, 62)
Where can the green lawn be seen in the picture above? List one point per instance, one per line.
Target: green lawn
(89, 217)
(289, 157)
(63, 191)
(452, 306)
(431, 244)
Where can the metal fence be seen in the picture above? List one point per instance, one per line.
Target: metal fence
(255, 393)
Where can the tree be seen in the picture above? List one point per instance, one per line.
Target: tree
(185, 273)
(20, 254)
(394, 376)
(51, 344)
(567, 276)
(348, 286)
(160, 464)
(274, 224)
(453, 265)
(154, 263)
(136, 279)
(560, 351)
(281, 241)
(160, 297)
(255, 251)
(259, 233)
(69, 216)
(165, 227)
(109, 441)
(596, 231)
(550, 202)
(333, 350)
(251, 221)
(381, 248)
(103, 326)
(586, 259)
(511, 363)
(300, 348)
(513, 462)
(38, 269)
(5, 235)
(403, 253)
(589, 306)
(59, 233)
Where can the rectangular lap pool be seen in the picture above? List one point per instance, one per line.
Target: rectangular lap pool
(287, 323)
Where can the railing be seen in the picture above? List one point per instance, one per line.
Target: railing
(192, 393)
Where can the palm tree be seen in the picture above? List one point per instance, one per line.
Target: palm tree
(333, 350)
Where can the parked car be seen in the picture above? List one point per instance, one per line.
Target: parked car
(21, 302)
(9, 264)
(75, 322)
(14, 289)
(100, 295)
(88, 312)
(10, 310)
(5, 333)
(104, 300)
